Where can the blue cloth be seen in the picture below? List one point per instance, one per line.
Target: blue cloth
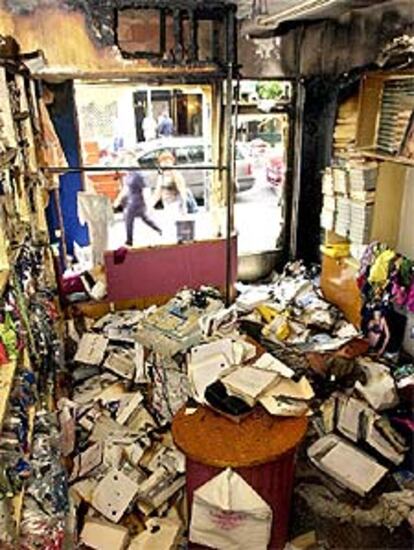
(166, 127)
(64, 121)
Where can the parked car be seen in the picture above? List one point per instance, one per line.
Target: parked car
(190, 151)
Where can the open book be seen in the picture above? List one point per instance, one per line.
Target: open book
(249, 383)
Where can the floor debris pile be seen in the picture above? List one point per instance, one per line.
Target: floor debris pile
(281, 346)
(361, 424)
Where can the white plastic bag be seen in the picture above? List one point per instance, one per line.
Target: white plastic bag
(228, 514)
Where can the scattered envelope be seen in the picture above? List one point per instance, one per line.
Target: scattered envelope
(204, 352)
(113, 495)
(128, 403)
(91, 350)
(86, 461)
(285, 387)
(101, 536)
(205, 372)
(352, 468)
(269, 363)
(160, 533)
(228, 513)
(284, 407)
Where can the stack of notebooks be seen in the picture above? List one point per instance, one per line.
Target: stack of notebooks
(341, 180)
(362, 184)
(361, 222)
(343, 216)
(328, 183)
(362, 179)
(329, 202)
(348, 199)
(396, 115)
(328, 213)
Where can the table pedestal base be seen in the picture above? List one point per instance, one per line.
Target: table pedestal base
(273, 481)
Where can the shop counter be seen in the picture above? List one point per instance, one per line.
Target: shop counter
(161, 271)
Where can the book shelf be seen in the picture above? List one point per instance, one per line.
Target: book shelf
(388, 211)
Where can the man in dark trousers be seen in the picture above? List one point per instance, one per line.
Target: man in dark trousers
(132, 198)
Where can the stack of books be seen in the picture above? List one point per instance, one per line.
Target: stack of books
(329, 201)
(361, 221)
(362, 178)
(340, 178)
(328, 212)
(362, 184)
(343, 216)
(346, 125)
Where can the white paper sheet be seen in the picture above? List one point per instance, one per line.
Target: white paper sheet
(269, 363)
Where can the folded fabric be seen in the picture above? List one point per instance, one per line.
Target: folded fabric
(120, 255)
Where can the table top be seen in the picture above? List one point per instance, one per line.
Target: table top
(212, 439)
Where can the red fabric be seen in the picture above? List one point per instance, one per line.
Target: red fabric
(3, 354)
(120, 255)
(272, 481)
(72, 284)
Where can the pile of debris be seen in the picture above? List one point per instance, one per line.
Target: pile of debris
(126, 476)
(280, 346)
(361, 424)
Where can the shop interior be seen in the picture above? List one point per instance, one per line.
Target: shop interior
(206, 275)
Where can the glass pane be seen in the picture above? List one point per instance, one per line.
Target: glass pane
(119, 126)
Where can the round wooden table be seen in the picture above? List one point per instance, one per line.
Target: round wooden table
(261, 448)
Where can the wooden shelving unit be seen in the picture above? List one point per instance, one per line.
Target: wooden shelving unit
(7, 373)
(18, 224)
(377, 155)
(393, 190)
(4, 279)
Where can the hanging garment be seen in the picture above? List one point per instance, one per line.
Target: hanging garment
(96, 212)
(380, 268)
(51, 152)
